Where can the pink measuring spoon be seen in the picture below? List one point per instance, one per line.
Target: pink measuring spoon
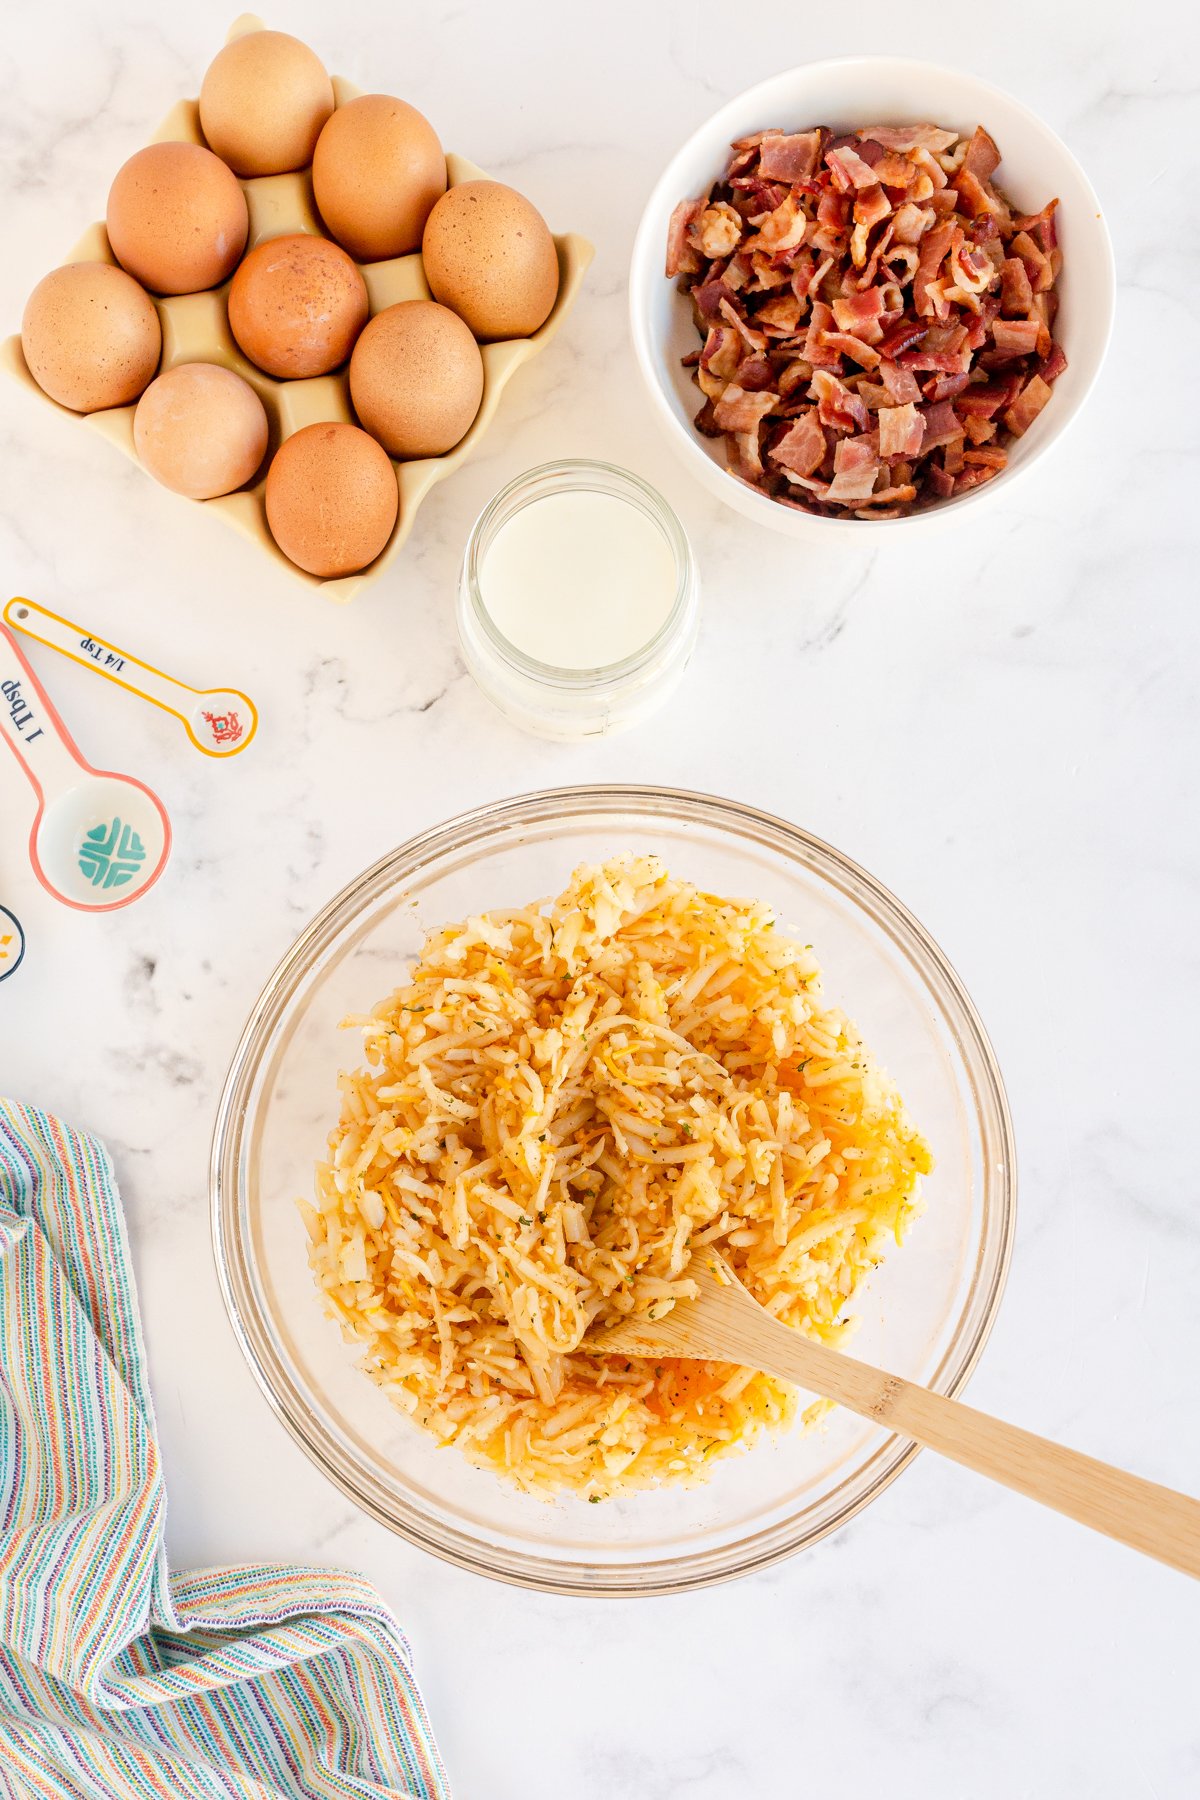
(99, 840)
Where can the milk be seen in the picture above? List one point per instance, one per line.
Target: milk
(578, 580)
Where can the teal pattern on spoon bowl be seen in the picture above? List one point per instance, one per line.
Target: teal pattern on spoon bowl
(111, 854)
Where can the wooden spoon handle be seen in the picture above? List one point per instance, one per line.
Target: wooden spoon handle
(1153, 1519)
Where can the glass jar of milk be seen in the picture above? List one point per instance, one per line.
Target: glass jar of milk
(578, 601)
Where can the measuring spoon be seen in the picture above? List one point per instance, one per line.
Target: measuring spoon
(219, 721)
(99, 840)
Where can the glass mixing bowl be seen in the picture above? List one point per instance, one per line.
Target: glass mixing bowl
(925, 1314)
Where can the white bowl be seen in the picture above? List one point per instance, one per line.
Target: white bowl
(847, 93)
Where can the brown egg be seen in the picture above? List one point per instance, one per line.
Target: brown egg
(489, 255)
(177, 218)
(296, 306)
(332, 499)
(263, 103)
(200, 430)
(377, 170)
(91, 336)
(416, 378)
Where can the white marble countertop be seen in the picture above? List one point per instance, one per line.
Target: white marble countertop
(1001, 724)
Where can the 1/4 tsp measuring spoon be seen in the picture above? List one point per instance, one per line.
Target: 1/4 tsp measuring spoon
(219, 721)
(99, 840)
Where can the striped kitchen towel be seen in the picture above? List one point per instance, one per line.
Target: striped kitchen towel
(118, 1678)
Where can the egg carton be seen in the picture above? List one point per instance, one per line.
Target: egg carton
(195, 328)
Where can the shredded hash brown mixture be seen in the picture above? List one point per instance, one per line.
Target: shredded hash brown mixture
(876, 316)
(560, 1106)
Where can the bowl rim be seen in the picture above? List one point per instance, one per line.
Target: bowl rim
(718, 480)
(783, 1538)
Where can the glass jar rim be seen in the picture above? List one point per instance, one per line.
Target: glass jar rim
(577, 474)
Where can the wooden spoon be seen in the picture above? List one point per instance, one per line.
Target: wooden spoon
(724, 1324)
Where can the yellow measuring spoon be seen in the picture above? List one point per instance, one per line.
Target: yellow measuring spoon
(219, 721)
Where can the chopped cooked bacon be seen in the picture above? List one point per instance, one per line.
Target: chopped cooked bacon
(1016, 295)
(783, 229)
(970, 268)
(708, 297)
(837, 405)
(855, 466)
(875, 320)
(832, 222)
(982, 158)
(945, 387)
(1027, 405)
(705, 422)
(986, 459)
(901, 429)
(929, 166)
(767, 273)
(909, 137)
(986, 398)
(738, 271)
(902, 336)
(978, 430)
(757, 340)
(942, 425)
(901, 384)
(722, 352)
(763, 196)
(912, 222)
(871, 208)
(849, 171)
(934, 247)
(755, 373)
(973, 478)
(743, 454)
(1043, 309)
(739, 411)
(847, 345)
(798, 374)
(710, 385)
(789, 158)
(1055, 363)
(979, 200)
(1038, 266)
(859, 313)
(681, 258)
(873, 393)
(819, 273)
(780, 317)
(801, 273)
(870, 267)
(802, 448)
(892, 170)
(717, 231)
(892, 496)
(1018, 335)
(1043, 223)
(899, 263)
(944, 348)
(816, 350)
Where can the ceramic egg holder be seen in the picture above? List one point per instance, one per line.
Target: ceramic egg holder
(195, 328)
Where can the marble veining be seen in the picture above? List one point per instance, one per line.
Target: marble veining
(999, 723)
